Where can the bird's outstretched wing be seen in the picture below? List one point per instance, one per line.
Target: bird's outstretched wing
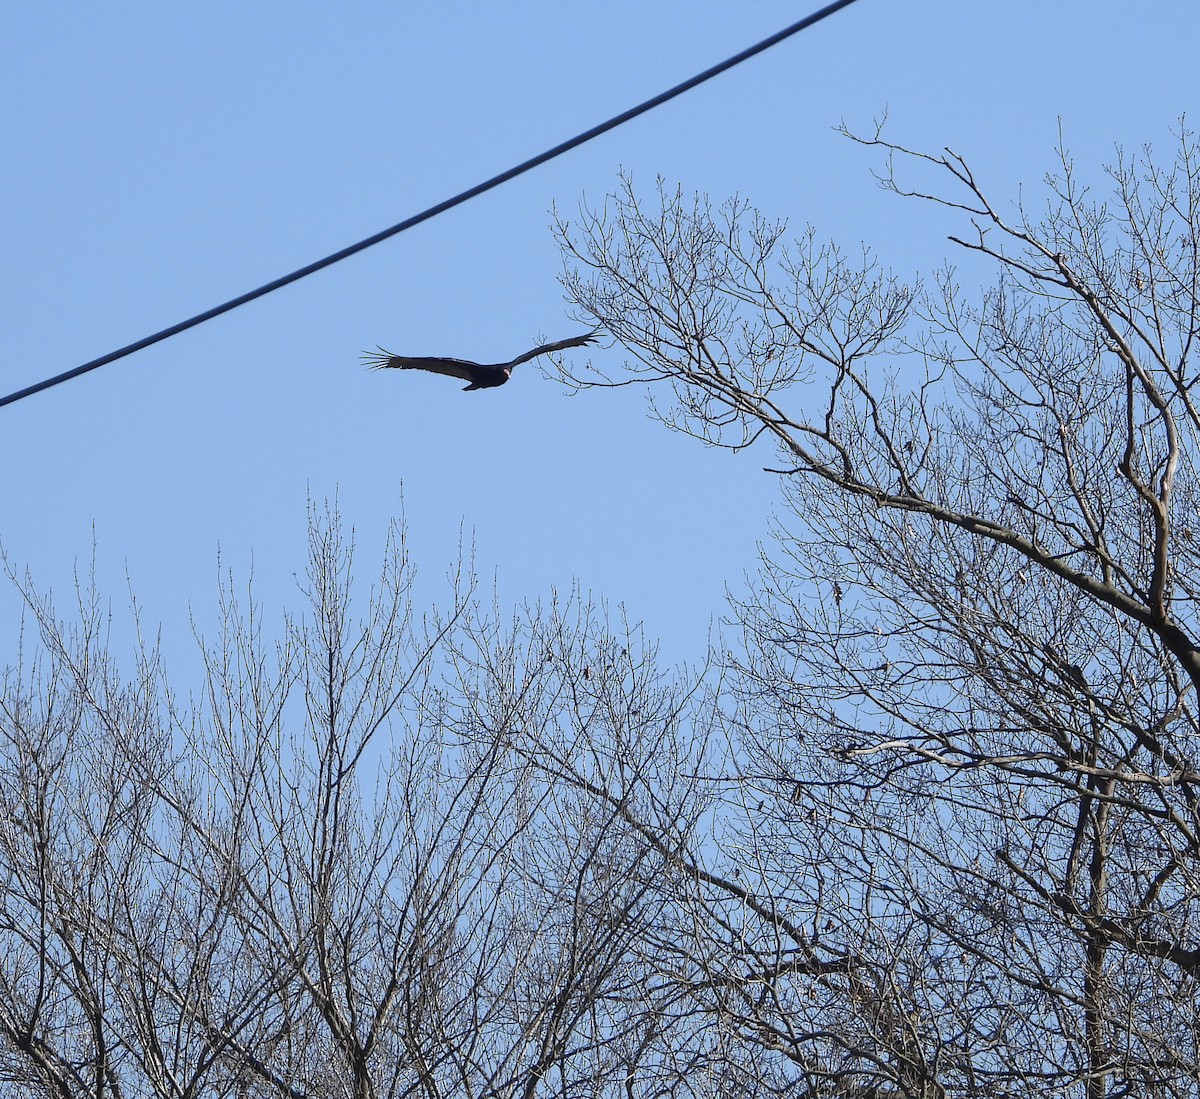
(380, 359)
(560, 345)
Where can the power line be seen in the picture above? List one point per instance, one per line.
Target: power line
(433, 211)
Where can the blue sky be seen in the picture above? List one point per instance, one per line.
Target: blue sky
(160, 158)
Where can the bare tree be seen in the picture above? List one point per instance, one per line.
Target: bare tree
(964, 819)
(338, 869)
(931, 831)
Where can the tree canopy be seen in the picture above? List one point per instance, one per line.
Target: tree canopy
(928, 827)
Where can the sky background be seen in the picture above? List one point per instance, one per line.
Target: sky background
(157, 159)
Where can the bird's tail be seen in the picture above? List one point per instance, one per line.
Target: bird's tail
(377, 359)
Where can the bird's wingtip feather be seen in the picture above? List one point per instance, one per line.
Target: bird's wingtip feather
(377, 359)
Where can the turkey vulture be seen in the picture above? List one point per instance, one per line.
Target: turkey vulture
(479, 375)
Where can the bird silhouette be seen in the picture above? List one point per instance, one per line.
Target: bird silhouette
(479, 375)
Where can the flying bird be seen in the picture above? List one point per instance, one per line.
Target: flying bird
(478, 375)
